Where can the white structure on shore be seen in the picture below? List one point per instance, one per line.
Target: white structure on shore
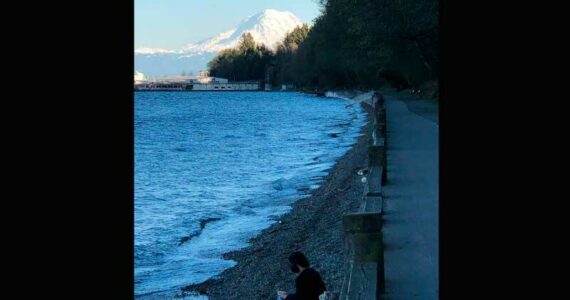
(204, 73)
(185, 79)
(210, 80)
(139, 77)
(194, 83)
(233, 86)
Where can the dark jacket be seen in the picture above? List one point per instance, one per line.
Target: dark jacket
(308, 285)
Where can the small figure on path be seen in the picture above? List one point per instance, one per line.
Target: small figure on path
(308, 283)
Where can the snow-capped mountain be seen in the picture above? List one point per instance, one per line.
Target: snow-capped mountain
(268, 27)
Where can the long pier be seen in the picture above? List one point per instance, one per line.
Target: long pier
(198, 87)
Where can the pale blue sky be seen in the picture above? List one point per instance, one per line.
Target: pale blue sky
(171, 24)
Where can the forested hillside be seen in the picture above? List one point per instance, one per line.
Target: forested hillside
(353, 44)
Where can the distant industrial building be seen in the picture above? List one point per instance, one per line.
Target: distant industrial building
(209, 80)
(203, 82)
(228, 86)
(204, 73)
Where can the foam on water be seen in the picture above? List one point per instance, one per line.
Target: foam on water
(213, 169)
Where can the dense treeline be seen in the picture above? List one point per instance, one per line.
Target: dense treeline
(355, 44)
(284, 67)
(247, 62)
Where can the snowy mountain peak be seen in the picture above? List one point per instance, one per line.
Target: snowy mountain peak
(268, 27)
(276, 14)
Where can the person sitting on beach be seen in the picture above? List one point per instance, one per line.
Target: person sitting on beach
(308, 283)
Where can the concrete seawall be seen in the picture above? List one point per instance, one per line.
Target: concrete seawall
(364, 247)
(391, 243)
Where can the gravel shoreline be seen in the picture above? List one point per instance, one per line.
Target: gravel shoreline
(314, 226)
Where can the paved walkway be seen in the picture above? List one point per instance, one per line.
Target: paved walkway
(411, 203)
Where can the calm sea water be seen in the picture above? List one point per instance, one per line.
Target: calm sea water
(213, 169)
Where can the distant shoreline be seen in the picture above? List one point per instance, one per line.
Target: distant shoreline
(194, 91)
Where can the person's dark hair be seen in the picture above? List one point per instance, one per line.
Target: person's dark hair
(298, 258)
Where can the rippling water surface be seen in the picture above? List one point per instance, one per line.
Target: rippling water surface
(212, 169)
